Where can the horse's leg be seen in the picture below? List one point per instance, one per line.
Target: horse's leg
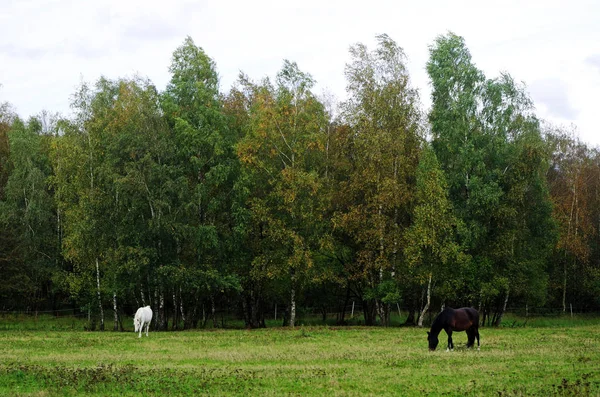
(470, 338)
(450, 343)
(477, 335)
(147, 326)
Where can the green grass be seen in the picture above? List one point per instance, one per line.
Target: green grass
(513, 361)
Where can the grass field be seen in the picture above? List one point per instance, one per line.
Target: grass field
(550, 359)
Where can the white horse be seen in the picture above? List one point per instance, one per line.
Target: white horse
(143, 316)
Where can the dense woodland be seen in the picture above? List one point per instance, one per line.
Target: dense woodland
(199, 201)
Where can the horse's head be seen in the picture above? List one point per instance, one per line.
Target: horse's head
(433, 341)
(136, 324)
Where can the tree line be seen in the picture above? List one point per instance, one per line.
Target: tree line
(196, 201)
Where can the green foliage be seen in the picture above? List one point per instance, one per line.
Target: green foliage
(489, 145)
(375, 158)
(573, 177)
(207, 170)
(28, 212)
(431, 249)
(202, 203)
(282, 156)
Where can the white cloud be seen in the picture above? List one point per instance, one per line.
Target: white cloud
(594, 60)
(553, 94)
(46, 45)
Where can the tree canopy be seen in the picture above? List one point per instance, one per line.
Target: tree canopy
(263, 198)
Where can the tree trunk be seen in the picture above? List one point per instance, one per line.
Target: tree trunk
(293, 300)
(369, 311)
(573, 205)
(499, 319)
(116, 325)
(410, 318)
(383, 312)
(564, 294)
(181, 308)
(484, 315)
(253, 311)
(99, 295)
(161, 312)
(213, 310)
(155, 318)
(428, 302)
(379, 305)
(292, 307)
(246, 311)
(342, 317)
(175, 311)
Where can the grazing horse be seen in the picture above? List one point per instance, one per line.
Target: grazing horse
(464, 319)
(143, 316)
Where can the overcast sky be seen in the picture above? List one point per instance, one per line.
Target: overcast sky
(48, 46)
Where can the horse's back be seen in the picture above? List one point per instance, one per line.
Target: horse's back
(144, 314)
(148, 313)
(473, 314)
(461, 319)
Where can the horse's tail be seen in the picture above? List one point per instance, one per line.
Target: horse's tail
(475, 315)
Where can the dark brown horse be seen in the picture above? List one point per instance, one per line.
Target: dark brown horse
(464, 319)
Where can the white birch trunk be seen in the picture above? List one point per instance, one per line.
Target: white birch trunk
(293, 300)
(181, 307)
(379, 305)
(99, 295)
(428, 302)
(293, 307)
(174, 310)
(161, 311)
(155, 318)
(213, 311)
(116, 326)
(573, 203)
(499, 320)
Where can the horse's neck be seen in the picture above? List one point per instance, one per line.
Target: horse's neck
(436, 327)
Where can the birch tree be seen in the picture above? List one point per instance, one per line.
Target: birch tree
(82, 201)
(573, 185)
(28, 214)
(206, 157)
(431, 250)
(282, 158)
(489, 144)
(382, 144)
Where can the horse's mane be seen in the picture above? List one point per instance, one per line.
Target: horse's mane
(440, 320)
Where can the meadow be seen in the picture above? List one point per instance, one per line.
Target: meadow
(549, 357)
